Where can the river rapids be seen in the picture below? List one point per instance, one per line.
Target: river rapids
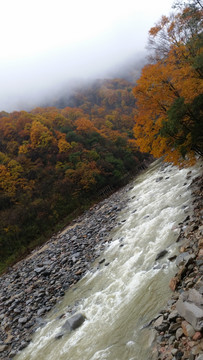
(118, 300)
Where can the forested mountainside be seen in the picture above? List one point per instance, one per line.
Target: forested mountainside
(54, 162)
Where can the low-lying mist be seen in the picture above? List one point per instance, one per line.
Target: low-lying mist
(44, 82)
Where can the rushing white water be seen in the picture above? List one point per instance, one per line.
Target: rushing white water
(119, 299)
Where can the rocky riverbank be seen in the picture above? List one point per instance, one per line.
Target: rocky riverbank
(34, 285)
(179, 326)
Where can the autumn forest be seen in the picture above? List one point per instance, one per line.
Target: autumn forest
(56, 161)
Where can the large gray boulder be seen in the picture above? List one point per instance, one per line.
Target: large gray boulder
(71, 324)
(191, 313)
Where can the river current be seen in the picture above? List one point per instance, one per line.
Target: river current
(119, 299)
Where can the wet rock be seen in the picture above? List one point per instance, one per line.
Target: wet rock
(161, 254)
(172, 258)
(71, 324)
(159, 179)
(158, 321)
(23, 345)
(74, 322)
(162, 327)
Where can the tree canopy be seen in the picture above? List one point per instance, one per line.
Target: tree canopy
(169, 117)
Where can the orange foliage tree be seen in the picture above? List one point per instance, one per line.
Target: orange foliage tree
(169, 91)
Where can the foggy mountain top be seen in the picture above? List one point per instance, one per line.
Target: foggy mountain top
(52, 46)
(130, 71)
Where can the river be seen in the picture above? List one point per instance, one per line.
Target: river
(130, 287)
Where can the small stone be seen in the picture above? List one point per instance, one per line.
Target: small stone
(179, 355)
(173, 283)
(173, 315)
(12, 353)
(197, 336)
(22, 320)
(174, 351)
(41, 311)
(3, 348)
(179, 333)
(23, 345)
(163, 327)
(171, 340)
(191, 344)
(174, 327)
(187, 329)
(158, 321)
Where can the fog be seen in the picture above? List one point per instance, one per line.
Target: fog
(48, 46)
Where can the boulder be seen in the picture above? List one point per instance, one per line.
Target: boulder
(195, 297)
(191, 313)
(74, 322)
(71, 324)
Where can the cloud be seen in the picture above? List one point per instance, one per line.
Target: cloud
(50, 44)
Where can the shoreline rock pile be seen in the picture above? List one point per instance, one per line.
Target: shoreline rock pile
(179, 327)
(34, 285)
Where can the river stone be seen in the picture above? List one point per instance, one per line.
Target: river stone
(22, 320)
(161, 254)
(159, 178)
(179, 333)
(200, 357)
(195, 297)
(158, 321)
(184, 257)
(3, 348)
(187, 329)
(38, 270)
(73, 322)
(162, 327)
(191, 313)
(173, 315)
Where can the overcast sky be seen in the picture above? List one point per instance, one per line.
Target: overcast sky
(48, 43)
